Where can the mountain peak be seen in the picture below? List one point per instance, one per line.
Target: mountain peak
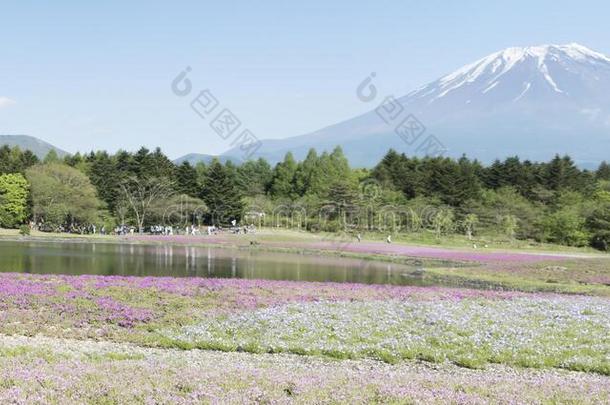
(517, 72)
(533, 101)
(572, 50)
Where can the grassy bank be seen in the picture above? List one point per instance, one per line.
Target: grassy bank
(283, 236)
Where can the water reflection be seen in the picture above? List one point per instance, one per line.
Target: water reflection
(189, 261)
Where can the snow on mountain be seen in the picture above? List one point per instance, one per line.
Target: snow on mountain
(514, 73)
(531, 101)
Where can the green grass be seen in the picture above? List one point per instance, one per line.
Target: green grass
(277, 235)
(573, 276)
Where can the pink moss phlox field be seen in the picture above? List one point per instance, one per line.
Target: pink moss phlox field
(444, 254)
(268, 291)
(12, 286)
(126, 301)
(121, 314)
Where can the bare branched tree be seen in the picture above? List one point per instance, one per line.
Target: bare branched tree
(141, 194)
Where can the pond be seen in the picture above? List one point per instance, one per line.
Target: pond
(184, 261)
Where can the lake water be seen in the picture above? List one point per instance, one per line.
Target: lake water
(183, 261)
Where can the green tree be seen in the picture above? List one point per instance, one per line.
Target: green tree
(561, 172)
(74, 160)
(51, 157)
(151, 164)
(343, 196)
(254, 177)
(510, 225)
(282, 184)
(603, 171)
(13, 199)
(602, 191)
(178, 210)
(598, 224)
(494, 205)
(221, 195)
(126, 165)
(28, 159)
(443, 222)
(307, 175)
(389, 171)
(566, 227)
(469, 223)
(186, 180)
(142, 195)
(13, 160)
(62, 195)
(105, 177)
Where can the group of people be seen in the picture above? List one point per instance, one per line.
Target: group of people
(124, 230)
(387, 240)
(162, 230)
(194, 230)
(89, 229)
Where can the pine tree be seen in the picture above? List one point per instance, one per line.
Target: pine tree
(388, 171)
(186, 180)
(221, 195)
(104, 176)
(13, 160)
(51, 157)
(254, 177)
(561, 172)
(126, 165)
(598, 223)
(307, 175)
(28, 159)
(161, 165)
(493, 175)
(603, 171)
(282, 185)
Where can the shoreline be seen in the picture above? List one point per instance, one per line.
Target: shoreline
(309, 244)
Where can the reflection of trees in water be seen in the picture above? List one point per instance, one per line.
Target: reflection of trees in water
(189, 261)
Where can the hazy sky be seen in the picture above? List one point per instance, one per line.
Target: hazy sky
(96, 75)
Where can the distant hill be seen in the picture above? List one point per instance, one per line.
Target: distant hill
(39, 147)
(194, 158)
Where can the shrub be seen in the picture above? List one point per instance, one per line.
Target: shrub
(598, 224)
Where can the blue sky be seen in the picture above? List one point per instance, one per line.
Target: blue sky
(97, 75)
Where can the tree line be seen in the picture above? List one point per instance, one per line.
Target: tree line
(552, 201)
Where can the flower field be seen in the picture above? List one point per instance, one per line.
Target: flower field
(145, 310)
(114, 339)
(50, 370)
(572, 333)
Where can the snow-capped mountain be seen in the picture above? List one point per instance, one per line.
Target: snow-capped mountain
(532, 101)
(557, 74)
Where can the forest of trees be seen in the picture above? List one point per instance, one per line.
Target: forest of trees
(553, 201)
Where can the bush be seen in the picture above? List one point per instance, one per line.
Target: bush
(565, 227)
(598, 224)
(601, 240)
(24, 230)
